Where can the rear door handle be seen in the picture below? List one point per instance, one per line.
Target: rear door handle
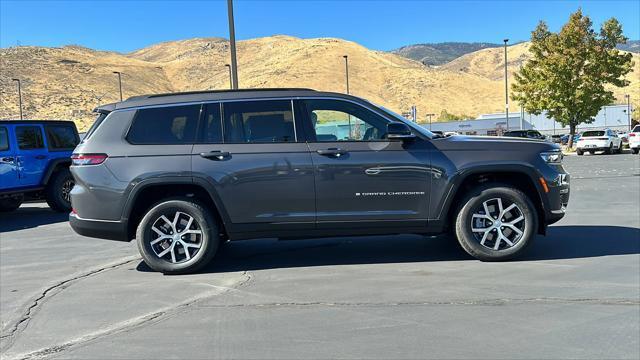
(8, 160)
(332, 152)
(40, 157)
(215, 155)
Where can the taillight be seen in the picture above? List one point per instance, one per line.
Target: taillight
(88, 159)
(632, 134)
(602, 139)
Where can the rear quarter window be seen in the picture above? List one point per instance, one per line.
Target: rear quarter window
(61, 137)
(4, 139)
(165, 125)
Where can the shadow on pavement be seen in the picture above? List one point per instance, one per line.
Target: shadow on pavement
(562, 242)
(30, 216)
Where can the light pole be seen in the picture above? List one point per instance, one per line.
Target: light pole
(230, 77)
(19, 96)
(346, 70)
(232, 43)
(119, 82)
(628, 110)
(430, 115)
(506, 85)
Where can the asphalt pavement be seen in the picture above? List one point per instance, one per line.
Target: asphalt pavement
(576, 294)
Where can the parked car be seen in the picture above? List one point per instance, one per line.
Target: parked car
(450, 133)
(634, 139)
(182, 172)
(528, 134)
(557, 139)
(564, 140)
(34, 162)
(599, 140)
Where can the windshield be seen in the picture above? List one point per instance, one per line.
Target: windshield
(593, 133)
(636, 129)
(411, 124)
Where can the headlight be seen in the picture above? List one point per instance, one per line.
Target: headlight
(552, 157)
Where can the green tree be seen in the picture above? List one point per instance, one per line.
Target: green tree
(447, 116)
(567, 74)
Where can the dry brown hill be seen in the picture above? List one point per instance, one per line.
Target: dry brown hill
(68, 82)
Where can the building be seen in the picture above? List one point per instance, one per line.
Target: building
(612, 116)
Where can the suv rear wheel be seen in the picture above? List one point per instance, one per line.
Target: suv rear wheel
(496, 222)
(58, 191)
(177, 236)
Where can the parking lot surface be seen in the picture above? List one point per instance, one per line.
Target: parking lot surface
(576, 294)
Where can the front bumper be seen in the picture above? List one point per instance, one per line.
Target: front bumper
(557, 198)
(102, 229)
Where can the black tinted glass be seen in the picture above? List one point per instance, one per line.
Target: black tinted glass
(61, 137)
(212, 127)
(4, 139)
(29, 137)
(165, 125)
(593, 133)
(258, 121)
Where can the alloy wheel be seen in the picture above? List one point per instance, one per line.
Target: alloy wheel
(66, 190)
(498, 227)
(177, 240)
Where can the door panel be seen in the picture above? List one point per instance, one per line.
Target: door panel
(372, 181)
(8, 161)
(32, 154)
(263, 177)
(361, 176)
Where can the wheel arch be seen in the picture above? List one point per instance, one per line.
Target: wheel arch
(149, 191)
(521, 177)
(54, 166)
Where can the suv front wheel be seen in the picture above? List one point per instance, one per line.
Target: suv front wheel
(177, 236)
(496, 222)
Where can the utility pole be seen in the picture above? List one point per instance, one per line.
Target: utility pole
(19, 96)
(232, 43)
(346, 70)
(230, 77)
(506, 84)
(119, 82)
(430, 115)
(629, 110)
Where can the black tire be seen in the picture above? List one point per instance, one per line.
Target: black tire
(579, 152)
(57, 191)
(11, 203)
(619, 151)
(471, 205)
(192, 261)
(635, 150)
(609, 150)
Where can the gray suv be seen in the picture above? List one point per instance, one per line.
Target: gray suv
(183, 172)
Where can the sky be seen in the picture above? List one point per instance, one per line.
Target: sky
(125, 26)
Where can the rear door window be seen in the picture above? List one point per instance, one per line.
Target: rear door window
(61, 137)
(4, 139)
(29, 137)
(165, 125)
(267, 121)
(211, 125)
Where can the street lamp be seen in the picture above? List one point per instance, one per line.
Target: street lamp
(232, 43)
(346, 70)
(19, 96)
(119, 82)
(230, 77)
(506, 85)
(628, 110)
(430, 115)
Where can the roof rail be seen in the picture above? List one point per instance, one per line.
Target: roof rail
(150, 96)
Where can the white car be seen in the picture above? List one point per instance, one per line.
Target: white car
(599, 140)
(634, 139)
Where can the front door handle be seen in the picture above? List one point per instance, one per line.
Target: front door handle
(8, 160)
(332, 152)
(41, 157)
(215, 155)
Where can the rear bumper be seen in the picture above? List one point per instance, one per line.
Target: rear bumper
(102, 229)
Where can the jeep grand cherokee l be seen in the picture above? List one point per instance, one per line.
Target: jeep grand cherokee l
(182, 172)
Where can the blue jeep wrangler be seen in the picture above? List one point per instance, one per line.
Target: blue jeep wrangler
(34, 162)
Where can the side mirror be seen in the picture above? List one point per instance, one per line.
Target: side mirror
(399, 131)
